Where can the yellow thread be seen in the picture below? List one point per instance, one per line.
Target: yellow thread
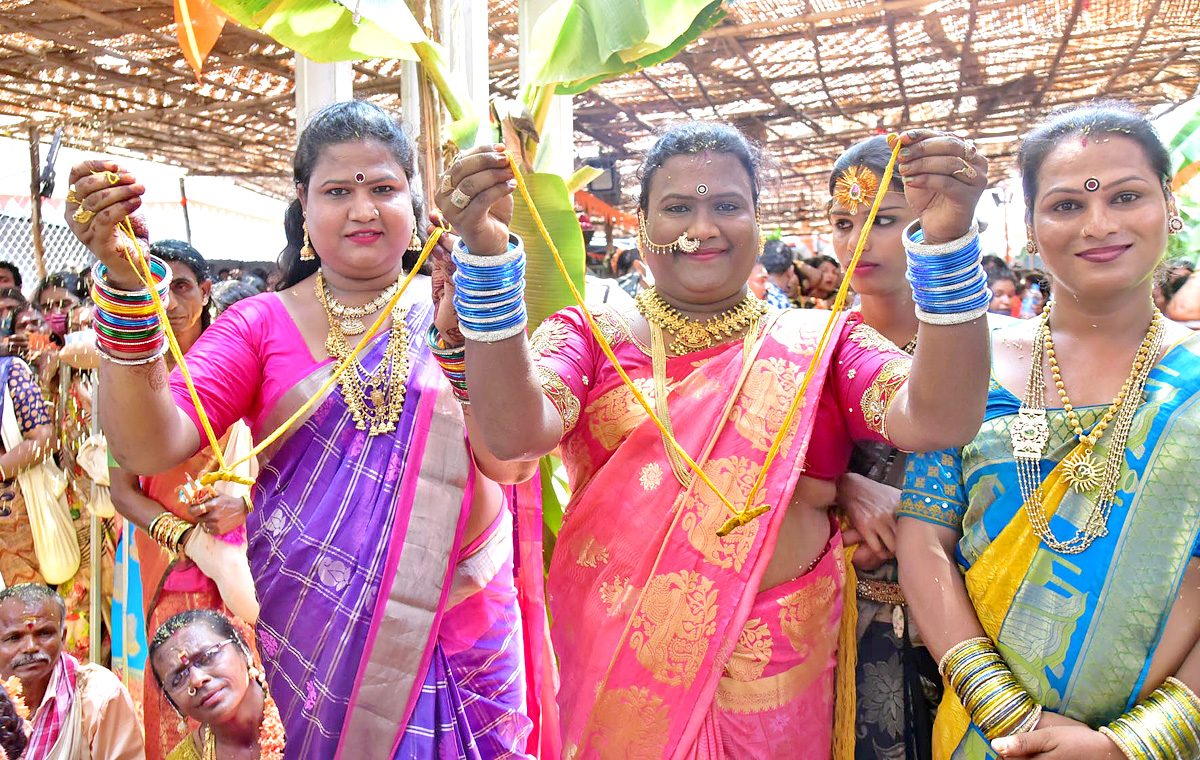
(604, 346)
(838, 306)
(225, 471)
(746, 514)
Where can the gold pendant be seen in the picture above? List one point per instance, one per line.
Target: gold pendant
(378, 397)
(1082, 471)
(351, 326)
(1029, 432)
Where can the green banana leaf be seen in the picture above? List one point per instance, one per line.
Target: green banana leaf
(1184, 143)
(325, 31)
(545, 290)
(580, 43)
(555, 494)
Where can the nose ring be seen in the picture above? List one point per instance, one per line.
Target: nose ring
(191, 691)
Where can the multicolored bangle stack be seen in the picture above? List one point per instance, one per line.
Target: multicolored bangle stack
(489, 293)
(169, 531)
(988, 690)
(452, 362)
(948, 281)
(128, 330)
(1164, 726)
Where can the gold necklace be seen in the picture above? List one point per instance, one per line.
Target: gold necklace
(210, 745)
(385, 387)
(1030, 433)
(351, 316)
(688, 335)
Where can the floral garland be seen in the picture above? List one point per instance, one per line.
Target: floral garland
(16, 692)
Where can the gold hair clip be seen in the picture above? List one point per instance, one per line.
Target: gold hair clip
(856, 185)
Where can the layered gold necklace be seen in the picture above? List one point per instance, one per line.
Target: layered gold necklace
(385, 387)
(351, 317)
(1030, 433)
(688, 335)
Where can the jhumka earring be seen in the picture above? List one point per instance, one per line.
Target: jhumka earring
(415, 244)
(306, 251)
(1030, 243)
(682, 243)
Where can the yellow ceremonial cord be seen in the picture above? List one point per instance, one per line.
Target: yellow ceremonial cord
(141, 265)
(746, 514)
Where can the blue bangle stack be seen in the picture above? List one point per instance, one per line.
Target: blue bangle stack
(489, 293)
(948, 281)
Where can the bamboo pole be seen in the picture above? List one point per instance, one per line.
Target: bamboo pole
(35, 202)
(96, 582)
(187, 218)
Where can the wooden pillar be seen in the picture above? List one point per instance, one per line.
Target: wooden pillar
(35, 202)
(318, 85)
(556, 151)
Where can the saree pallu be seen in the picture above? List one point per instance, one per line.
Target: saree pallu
(1078, 630)
(649, 604)
(353, 546)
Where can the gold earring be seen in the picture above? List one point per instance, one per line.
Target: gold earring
(306, 251)
(762, 239)
(1030, 243)
(415, 245)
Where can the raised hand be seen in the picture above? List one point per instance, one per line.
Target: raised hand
(475, 196)
(102, 196)
(943, 179)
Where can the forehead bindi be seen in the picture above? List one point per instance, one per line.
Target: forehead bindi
(346, 162)
(25, 616)
(1069, 165)
(719, 173)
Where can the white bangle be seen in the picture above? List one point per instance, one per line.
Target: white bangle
(134, 362)
(959, 318)
(941, 249)
(492, 336)
(460, 254)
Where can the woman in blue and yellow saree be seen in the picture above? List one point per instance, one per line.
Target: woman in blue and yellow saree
(1053, 564)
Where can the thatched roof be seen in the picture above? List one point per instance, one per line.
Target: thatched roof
(805, 78)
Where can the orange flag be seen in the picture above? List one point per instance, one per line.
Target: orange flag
(198, 23)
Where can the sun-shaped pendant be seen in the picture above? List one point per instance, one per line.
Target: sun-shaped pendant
(1082, 471)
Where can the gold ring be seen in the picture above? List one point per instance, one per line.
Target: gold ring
(112, 177)
(966, 170)
(446, 185)
(970, 151)
(72, 197)
(82, 215)
(459, 198)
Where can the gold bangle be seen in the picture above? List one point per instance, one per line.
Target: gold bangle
(1117, 740)
(249, 502)
(956, 649)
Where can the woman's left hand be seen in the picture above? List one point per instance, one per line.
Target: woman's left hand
(219, 515)
(1059, 743)
(871, 509)
(943, 179)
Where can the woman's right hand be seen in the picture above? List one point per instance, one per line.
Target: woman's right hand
(105, 195)
(485, 177)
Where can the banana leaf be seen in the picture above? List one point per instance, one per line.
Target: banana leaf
(555, 495)
(580, 43)
(545, 290)
(326, 31)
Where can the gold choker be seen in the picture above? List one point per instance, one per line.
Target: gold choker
(688, 335)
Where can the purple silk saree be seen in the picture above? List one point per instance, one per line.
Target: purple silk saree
(382, 635)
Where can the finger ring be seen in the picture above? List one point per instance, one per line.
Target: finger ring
(966, 170)
(72, 197)
(970, 150)
(459, 198)
(446, 185)
(112, 177)
(82, 215)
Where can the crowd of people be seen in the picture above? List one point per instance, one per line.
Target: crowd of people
(890, 536)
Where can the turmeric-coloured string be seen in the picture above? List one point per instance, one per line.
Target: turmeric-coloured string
(141, 265)
(747, 513)
(838, 306)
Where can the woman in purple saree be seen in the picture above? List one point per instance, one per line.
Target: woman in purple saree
(381, 546)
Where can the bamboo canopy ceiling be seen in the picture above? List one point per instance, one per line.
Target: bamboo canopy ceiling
(804, 78)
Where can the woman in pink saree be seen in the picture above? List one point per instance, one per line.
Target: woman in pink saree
(676, 642)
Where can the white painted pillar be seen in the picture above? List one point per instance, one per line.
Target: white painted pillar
(556, 153)
(318, 85)
(464, 36)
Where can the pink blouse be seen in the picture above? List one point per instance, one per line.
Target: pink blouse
(866, 371)
(243, 364)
